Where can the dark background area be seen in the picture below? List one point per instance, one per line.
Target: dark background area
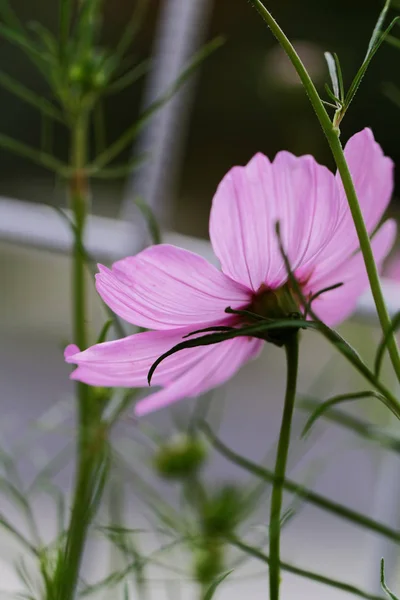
(247, 96)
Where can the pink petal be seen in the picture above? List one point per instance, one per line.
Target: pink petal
(126, 362)
(165, 287)
(70, 350)
(249, 201)
(372, 175)
(216, 366)
(335, 306)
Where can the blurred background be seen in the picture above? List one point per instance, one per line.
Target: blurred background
(244, 98)
(247, 96)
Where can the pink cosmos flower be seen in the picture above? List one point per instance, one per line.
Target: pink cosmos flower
(173, 292)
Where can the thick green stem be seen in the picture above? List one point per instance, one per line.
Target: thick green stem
(292, 358)
(332, 135)
(89, 433)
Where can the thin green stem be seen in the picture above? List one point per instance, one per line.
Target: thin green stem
(340, 585)
(332, 134)
(292, 359)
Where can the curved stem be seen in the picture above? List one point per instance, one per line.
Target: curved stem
(332, 134)
(292, 359)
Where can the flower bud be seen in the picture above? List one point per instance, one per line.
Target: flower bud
(222, 512)
(208, 563)
(181, 457)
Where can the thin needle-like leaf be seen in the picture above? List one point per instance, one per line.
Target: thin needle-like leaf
(383, 344)
(19, 90)
(328, 404)
(8, 15)
(132, 132)
(308, 495)
(129, 78)
(383, 582)
(40, 158)
(65, 15)
(151, 220)
(210, 592)
(131, 30)
(362, 428)
(378, 28)
(333, 73)
(319, 578)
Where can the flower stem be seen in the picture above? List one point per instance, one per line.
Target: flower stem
(292, 359)
(332, 134)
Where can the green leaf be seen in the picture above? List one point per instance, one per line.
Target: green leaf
(210, 592)
(383, 582)
(18, 498)
(5, 524)
(256, 330)
(393, 41)
(19, 90)
(377, 29)
(103, 333)
(363, 69)
(34, 155)
(87, 25)
(333, 74)
(46, 37)
(336, 102)
(322, 408)
(340, 77)
(65, 16)
(23, 42)
(131, 30)
(129, 78)
(261, 328)
(8, 15)
(308, 495)
(132, 132)
(317, 577)
(151, 220)
(318, 294)
(118, 171)
(358, 426)
(380, 353)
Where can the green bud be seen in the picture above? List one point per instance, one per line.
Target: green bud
(77, 73)
(222, 512)
(99, 79)
(208, 563)
(180, 458)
